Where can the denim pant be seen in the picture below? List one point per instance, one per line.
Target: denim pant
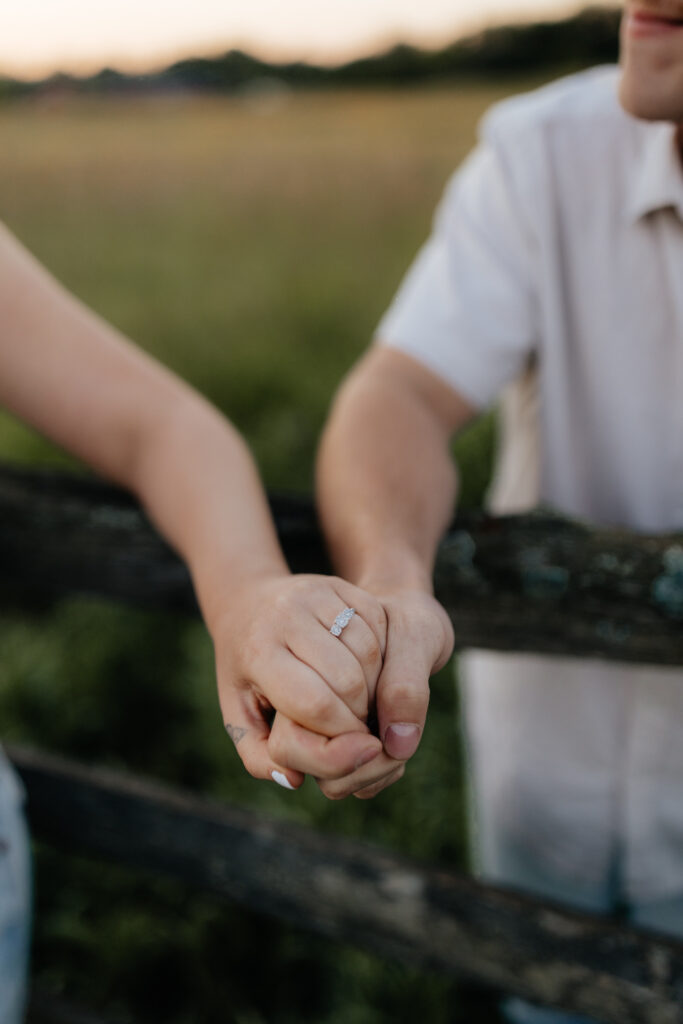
(665, 916)
(15, 896)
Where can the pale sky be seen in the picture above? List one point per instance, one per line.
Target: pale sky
(38, 36)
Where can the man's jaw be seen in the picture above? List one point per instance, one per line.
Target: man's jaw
(651, 86)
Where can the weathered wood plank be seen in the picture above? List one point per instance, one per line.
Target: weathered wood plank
(530, 583)
(63, 534)
(45, 1008)
(542, 583)
(349, 891)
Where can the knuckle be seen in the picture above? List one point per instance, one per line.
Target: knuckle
(252, 651)
(277, 749)
(371, 652)
(320, 707)
(301, 587)
(339, 766)
(252, 765)
(379, 618)
(378, 787)
(331, 790)
(334, 773)
(395, 776)
(353, 685)
(405, 693)
(367, 794)
(284, 604)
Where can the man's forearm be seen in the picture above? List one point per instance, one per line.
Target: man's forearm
(386, 480)
(386, 489)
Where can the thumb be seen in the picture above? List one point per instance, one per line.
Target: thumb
(403, 695)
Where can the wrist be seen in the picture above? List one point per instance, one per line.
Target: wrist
(392, 571)
(222, 592)
(429, 619)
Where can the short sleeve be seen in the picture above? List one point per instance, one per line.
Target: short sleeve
(467, 308)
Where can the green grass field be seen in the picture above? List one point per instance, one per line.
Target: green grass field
(253, 250)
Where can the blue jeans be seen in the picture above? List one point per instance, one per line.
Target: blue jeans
(15, 896)
(665, 916)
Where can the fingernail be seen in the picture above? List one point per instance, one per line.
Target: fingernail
(368, 756)
(281, 780)
(401, 740)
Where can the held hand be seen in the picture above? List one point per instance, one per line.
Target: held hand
(275, 653)
(419, 643)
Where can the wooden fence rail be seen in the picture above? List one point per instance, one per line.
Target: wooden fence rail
(535, 583)
(532, 583)
(423, 915)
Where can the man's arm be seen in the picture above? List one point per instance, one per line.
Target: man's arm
(78, 381)
(386, 491)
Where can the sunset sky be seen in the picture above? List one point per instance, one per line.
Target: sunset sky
(39, 36)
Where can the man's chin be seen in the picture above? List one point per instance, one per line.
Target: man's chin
(649, 105)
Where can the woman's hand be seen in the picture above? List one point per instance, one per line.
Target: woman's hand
(275, 654)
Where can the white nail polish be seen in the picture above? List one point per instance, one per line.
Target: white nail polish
(281, 780)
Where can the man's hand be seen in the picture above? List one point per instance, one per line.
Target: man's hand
(386, 487)
(419, 643)
(295, 699)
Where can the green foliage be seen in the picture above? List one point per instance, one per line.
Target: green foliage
(254, 254)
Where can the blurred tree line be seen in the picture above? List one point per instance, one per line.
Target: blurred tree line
(589, 37)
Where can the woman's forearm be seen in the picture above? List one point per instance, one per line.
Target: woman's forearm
(197, 479)
(77, 380)
(85, 386)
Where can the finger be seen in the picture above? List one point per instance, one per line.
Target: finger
(363, 644)
(294, 747)
(367, 607)
(403, 695)
(249, 732)
(370, 791)
(301, 693)
(378, 769)
(309, 641)
(364, 637)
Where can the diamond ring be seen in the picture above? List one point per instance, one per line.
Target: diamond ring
(342, 621)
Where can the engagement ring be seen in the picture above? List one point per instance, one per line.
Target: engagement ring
(342, 621)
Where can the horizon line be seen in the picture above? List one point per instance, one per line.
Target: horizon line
(156, 62)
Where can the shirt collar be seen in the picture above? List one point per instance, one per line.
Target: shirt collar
(657, 181)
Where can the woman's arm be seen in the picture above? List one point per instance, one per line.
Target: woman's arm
(78, 381)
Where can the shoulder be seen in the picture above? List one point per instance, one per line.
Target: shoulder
(560, 141)
(583, 102)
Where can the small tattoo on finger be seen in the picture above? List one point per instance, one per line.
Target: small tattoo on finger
(235, 732)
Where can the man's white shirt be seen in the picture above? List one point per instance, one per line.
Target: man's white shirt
(554, 278)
